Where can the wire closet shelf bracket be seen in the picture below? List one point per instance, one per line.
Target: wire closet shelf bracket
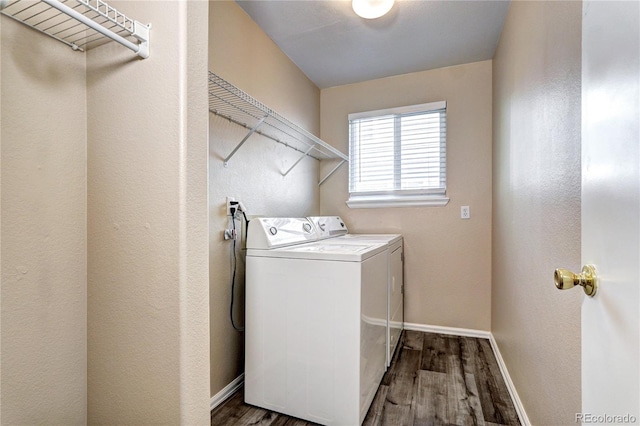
(80, 24)
(233, 104)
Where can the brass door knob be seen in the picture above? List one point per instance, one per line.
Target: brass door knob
(587, 279)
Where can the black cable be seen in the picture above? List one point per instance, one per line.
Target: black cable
(233, 278)
(246, 228)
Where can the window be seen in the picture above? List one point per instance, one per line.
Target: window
(397, 157)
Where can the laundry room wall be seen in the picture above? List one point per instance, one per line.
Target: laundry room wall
(242, 54)
(536, 210)
(447, 259)
(43, 234)
(148, 328)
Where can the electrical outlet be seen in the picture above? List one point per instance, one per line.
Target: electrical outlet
(465, 213)
(229, 200)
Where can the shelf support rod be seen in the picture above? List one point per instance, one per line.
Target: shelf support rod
(252, 131)
(141, 50)
(299, 160)
(331, 172)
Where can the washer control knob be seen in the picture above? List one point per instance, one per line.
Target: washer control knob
(342, 224)
(306, 227)
(273, 230)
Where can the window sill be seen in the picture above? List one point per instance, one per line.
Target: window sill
(384, 201)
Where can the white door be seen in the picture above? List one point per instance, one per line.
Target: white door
(611, 210)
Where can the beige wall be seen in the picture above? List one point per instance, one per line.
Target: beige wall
(536, 193)
(242, 54)
(447, 260)
(147, 223)
(43, 233)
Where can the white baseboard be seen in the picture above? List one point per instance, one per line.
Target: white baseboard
(524, 419)
(227, 391)
(494, 345)
(467, 332)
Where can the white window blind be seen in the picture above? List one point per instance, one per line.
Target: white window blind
(398, 153)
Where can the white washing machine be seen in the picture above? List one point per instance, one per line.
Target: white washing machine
(315, 322)
(332, 229)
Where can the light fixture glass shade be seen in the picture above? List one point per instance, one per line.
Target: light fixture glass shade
(371, 9)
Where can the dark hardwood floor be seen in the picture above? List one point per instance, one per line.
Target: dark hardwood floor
(434, 379)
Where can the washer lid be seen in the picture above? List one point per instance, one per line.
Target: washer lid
(273, 232)
(383, 238)
(322, 250)
(328, 226)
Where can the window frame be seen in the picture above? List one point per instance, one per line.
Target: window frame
(396, 197)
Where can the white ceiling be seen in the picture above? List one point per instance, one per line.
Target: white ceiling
(334, 46)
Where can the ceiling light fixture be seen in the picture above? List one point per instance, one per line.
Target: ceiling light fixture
(371, 9)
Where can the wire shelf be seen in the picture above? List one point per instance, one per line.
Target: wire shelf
(80, 24)
(228, 101)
